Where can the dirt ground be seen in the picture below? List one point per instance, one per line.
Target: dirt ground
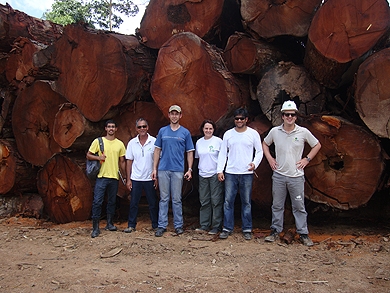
(39, 256)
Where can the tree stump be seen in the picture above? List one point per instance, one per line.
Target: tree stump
(190, 73)
(347, 170)
(372, 94)
(65, 190)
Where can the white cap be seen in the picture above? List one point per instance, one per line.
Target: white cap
(174, 108)
(289, 106)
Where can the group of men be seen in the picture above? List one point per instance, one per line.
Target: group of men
(150, 162)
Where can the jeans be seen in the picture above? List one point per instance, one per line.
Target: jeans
(102, 186)
(151, 196)
(211, 202)
(170, 184)
(243, 184)
(295, 186)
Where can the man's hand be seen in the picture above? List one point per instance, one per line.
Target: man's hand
(221, 177)
(129, 185)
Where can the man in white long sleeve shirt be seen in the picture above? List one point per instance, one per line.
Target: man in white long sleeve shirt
(241, 153)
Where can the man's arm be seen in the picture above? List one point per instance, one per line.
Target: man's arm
(156, 159)
(122, 166)
(129, 165)
(271, 160)
(190, 162)
(90, 156)
(305, 161)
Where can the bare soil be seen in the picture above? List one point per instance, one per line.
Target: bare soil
(39, 256)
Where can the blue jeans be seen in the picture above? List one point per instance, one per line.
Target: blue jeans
(234, 183)
(102, 186)
(170, 185)
(151, 196)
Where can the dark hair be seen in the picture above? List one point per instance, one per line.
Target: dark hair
(241, 111)
(110, 121)
(207, 121)
(139, 120)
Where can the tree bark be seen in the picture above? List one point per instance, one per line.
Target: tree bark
(100, 70)
(342, 31)
(188, 70)
(16, 175)
(372, 94)
(26, 205)
(270, 18)
(348, 168)
(249, 56)
(65, 190)
(14, 24)
(287, 81)
(32, 122)
(164, 18)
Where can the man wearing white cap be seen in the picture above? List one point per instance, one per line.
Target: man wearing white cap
(288, 176)
(172, 142)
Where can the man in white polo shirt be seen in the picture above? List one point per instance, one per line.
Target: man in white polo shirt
(288, 176)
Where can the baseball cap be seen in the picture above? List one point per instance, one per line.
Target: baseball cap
(174, 108)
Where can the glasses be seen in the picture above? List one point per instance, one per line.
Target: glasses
(239, 118)
(289, 114)
(141, 126)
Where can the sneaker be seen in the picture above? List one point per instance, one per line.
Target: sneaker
(160, 232)
(213, 231)
(129, 230)
(224, 234)
(179, 231)
(305, 239)
(272, 237)
(247, 235)
(201, 230)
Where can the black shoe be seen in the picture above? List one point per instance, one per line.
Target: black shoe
(247, 235)
(213, 231)
(129, 230)
(305, 239)
(272, 237)
(224, 234)
(179, 231)
(160, 232)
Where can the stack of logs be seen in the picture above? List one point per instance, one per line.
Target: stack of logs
(59, 84)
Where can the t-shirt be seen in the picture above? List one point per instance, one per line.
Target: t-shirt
(173, 145)
(142, 157)
(207, 151)
(289, 148)
(240, 149)
(113, 149)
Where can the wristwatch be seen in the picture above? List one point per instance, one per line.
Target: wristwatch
(307, 158)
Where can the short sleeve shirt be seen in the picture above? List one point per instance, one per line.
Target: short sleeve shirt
(207, 151)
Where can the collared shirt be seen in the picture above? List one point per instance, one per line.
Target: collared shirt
(142, 157)
(289, 148)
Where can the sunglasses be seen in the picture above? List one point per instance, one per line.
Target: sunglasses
(141, 126)
(289, 114)
(239, 118)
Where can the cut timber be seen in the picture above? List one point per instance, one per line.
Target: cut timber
(25, 205)
(164, 18)
(342, 31)
(287, 81)
(100, 70)
(32, 122)
(249, 56)
(372, 95)
(65, 190)
(270, 18)
(14, 24)
(190, 73)
(72, 130)
(347, 170)
(16, 175)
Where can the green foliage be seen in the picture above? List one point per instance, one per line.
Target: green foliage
(104, 14)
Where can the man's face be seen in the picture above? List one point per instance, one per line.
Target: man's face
(174, 117)
(240, 121)
(142, 127)
(111, 128)
(289, 117)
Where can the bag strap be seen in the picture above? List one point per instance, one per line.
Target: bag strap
(101, 144)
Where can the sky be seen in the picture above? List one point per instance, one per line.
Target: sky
(36, 8)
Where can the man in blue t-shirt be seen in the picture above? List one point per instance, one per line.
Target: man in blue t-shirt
(171, 143)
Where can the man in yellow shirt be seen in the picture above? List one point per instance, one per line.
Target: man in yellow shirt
(112, 158)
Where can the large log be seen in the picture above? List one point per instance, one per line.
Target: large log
(372, 94)
(163, 18)
(100, 70)
(26, 205)
(192, 74)
(342, 31)
(270, 18)
(65, 190)
(249, 56)
(347, 170)
(32, 122)
(287, 81)
(16, 175)
(14, 24)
